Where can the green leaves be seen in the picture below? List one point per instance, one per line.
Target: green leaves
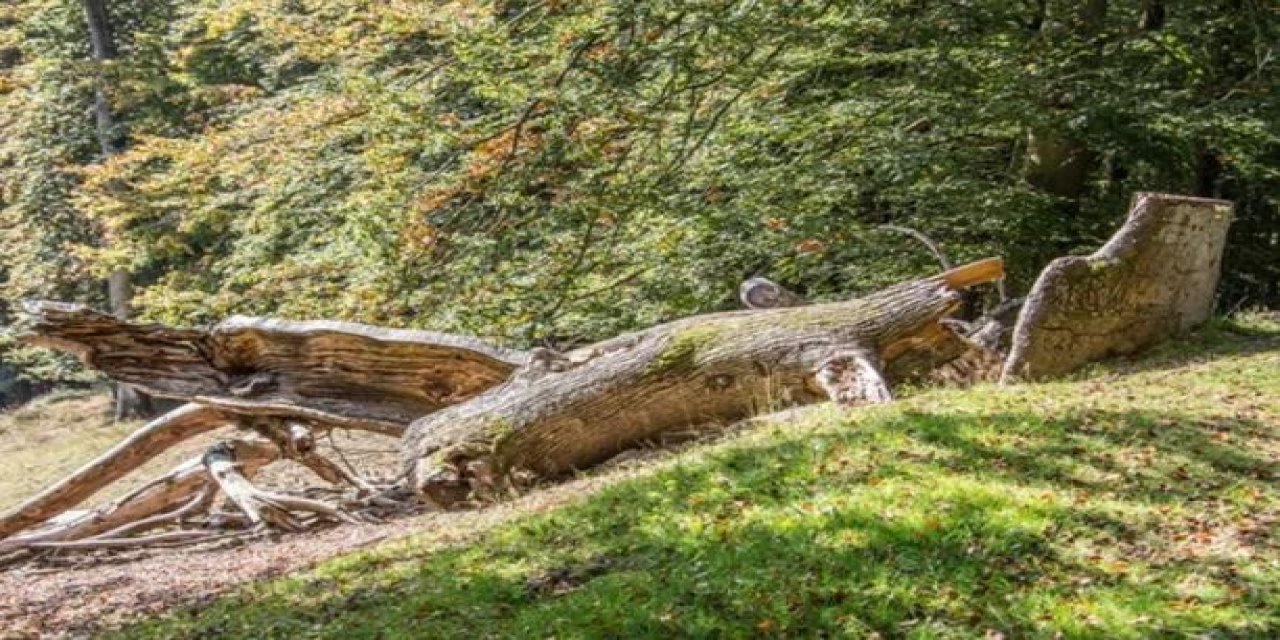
(565, 171)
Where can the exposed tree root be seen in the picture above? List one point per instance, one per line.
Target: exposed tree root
(264, 508)
(197, 504)
(184, 497)
(184, 492)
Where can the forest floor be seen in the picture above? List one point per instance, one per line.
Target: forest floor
(1137, 499)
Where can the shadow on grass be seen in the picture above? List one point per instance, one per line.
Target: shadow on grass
(909, 525)
(1220, 337)
(1132, 455)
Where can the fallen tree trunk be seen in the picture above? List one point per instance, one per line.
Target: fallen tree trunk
(560, 414)
(1154, 278)
(328, 373)
(555, 412)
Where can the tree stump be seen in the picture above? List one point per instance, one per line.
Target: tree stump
(1154, 278)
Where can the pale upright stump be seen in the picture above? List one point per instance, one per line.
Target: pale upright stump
(1155, 278)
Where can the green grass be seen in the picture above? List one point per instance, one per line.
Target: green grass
(1139, 500)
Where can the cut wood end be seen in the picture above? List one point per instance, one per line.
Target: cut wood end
(974, 273)
(1175, 198)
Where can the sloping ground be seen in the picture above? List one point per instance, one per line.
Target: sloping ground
(1142, 499)
(51, 436)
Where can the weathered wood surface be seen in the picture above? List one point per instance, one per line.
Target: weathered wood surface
(1154, 278)
(590, 404)
(333, 373)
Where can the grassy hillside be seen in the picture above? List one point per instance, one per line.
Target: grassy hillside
(1138, 500)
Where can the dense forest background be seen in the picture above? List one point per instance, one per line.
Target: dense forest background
(555, 172)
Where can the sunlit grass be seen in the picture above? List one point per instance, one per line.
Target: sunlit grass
(1138, 500)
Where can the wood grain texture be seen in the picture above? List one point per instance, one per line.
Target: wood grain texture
(1154, 278)
(333, 373)
(706, 369)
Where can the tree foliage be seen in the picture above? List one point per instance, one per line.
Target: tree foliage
(554, 171)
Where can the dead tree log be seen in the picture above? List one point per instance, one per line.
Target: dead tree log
(261, 506)
(706, 369)
(556, 412)
(331, 373)
(1154, 278)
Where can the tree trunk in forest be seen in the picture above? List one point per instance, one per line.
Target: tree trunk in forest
(569, 411)
(129, 402)
(1058, 164)
(1058, 160)
(102, 47)
(1154, 278)
(1152, 15)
